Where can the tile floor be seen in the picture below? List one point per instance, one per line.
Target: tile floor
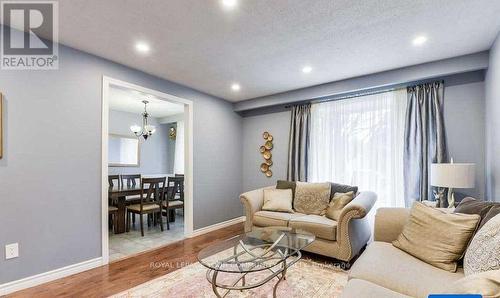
(126, 244)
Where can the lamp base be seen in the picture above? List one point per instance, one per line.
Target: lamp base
(451, 198)
(439, 196)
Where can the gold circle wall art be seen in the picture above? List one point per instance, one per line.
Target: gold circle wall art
(265, 151)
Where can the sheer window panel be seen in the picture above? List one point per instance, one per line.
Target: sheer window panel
(359, 141)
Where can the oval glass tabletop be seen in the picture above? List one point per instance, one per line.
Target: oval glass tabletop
(257, 250)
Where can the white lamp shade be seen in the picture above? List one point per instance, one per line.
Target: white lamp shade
(135, 128)
(453, 175)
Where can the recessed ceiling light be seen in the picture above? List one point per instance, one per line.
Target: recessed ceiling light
(235, 87)
(229, 3)
(142, 47)
(419, 40)
(307, 69)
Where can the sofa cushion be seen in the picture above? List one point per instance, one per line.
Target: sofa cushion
(358, 288)
(485, 283)
(278, 200)
(487, 210)
(387, 266)
(339, 201)
(437, 237)
(318, 225)
(311, 198)
(337, 187)
(271, 218)
(483, 253)
(283, 184)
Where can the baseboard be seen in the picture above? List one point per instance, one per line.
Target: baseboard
(217, 226)
(41, 278)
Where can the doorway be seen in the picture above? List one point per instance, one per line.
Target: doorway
(128, 150)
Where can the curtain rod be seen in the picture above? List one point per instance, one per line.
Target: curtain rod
(363, 93)
(353, 95)
(347, 96)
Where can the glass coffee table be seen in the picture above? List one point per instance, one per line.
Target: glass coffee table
(250, 260)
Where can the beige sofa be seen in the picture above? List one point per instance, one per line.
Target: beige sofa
(386, 271)
(342, 240)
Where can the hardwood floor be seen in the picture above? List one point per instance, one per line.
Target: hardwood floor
(124, 274)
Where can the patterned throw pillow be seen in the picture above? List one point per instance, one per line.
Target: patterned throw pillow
(483, 253)
(339, 201)
(311, 198)
(437, 237)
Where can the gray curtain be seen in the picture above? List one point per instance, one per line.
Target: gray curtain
(298, 146)
(425, 139)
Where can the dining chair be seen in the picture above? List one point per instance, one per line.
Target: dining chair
(150, 201)
(170, 204)
(178, 183)
(131, 180)
(112, 209)
(113, 217)
(112, 179)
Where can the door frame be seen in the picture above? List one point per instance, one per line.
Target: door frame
(188, 156)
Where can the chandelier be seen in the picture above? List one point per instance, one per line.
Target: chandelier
(146, 130)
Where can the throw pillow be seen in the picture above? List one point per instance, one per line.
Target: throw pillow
(283, 184)
(487, 210)
(278, 200)
(483, 253)
(485, 283)
(311, 198)
(338, 202)
(337, 187)
(437, 237)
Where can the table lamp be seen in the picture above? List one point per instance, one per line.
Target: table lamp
(452, 175)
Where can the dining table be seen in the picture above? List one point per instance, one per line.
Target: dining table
(117, 195)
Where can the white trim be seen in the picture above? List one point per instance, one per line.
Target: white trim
(217, 226)
(188, 147)
(45, 277)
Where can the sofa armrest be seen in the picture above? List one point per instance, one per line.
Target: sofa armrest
(389, 223)
(359, 206)
(353, 229)
(252, 201)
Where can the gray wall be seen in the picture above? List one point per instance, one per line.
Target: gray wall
(464, 112)
(278, 124)
(464, 117)
(493, 122)
(153, 153)
(50, 185)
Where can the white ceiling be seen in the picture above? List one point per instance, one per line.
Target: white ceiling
(263, 44)
(126, 100)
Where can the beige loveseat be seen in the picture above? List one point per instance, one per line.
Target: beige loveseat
(386, 271)
(342, 240)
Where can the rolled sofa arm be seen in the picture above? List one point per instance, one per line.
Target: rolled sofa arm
(353, 229)
(389, 223)
(252, 201)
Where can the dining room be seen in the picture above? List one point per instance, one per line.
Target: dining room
(145, 172)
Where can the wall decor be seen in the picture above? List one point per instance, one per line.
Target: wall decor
(1, 127)
(123, 151)
(172, 133)
(265, 151)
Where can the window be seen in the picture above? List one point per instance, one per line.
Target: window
(360, 141)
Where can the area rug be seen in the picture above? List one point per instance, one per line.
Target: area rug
(306, 278)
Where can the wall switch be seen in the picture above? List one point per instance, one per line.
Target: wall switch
(11, 251)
